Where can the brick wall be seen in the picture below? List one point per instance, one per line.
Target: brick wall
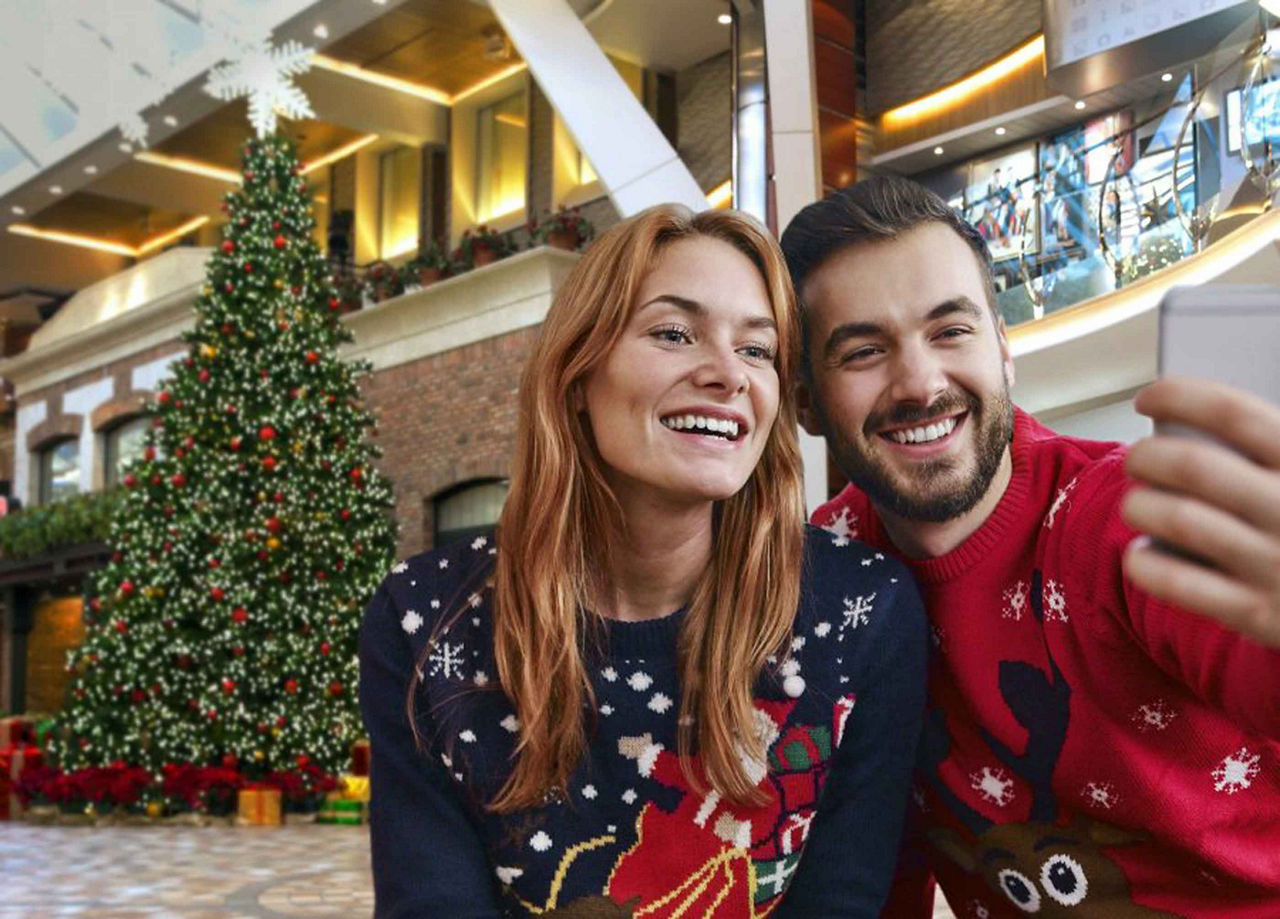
(917, 46)
(443, 420)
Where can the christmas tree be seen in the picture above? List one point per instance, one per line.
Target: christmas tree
(223, 630)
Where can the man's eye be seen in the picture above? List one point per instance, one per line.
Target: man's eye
(954, 332)
(861, 354)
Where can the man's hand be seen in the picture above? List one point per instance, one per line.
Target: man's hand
(1215, 503)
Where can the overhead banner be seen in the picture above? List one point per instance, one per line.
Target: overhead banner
(1092, 45)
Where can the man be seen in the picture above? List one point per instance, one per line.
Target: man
(1101, 738)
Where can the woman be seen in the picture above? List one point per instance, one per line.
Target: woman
(659, 689)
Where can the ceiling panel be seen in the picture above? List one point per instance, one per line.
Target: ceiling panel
(217, 139)
(87, 214)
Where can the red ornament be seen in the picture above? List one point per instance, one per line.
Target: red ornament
(291, 686)
(320, 575)
(168, 546)
(231, 409)
(279, 497)
(229, 761)
(212, 714)
(263, 727)
(303, 760)
(281, 721)
(139, 695)
(203, 376)
(228, 246)
(248, 174)
(178, 480)
(357, 475)
(296, 290)
(332, 399)
(227, 328)
(275, 224)
(179, 453)
(126, 588)
(149, 453)
(281, 242)
(324, 647)
(240, 615)
(266, 432)
(335, 688)
(263, 373)
(193, 705)
(268, 463)
(229, 287)
(334, 303)
(191, 441)
(248, 267)
(228, 686)
(312, 357)
(284, 325)
(121, 626)
(238, 651)
(235, 443)
(163, 397)
(96, 605)
(214, 563)
(273, 524)
(263, 555)
(188, 362)
(217, 593)
(130, 480)
(345, 513)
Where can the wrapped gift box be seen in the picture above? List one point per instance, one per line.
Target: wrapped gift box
(14, 761)
(360, 757)
(354, 788)
(259, 806)
(341, 810)
(16, 731)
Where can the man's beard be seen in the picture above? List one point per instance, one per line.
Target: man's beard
(915, 499)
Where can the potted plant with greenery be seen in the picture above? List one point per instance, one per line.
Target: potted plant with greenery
(383, 281)
(428, 266)
(481, 246)
(565, 229)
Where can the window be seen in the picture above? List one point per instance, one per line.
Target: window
(59, 471)
(124, 444)
(399, 200)
(467, 510)
(502, 151)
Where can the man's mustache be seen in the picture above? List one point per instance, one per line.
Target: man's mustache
(949, 403)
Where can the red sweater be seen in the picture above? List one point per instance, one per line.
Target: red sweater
(1088, 750)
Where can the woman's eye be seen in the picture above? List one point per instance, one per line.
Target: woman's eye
(671, 335)
(757, 352)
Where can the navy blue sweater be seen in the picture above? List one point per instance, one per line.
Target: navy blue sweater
(842, 712)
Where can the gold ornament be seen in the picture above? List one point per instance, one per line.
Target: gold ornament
(275, 732)
(259, 756)
(208, 352)
(154, 809)
(273, 543)
(279, 284)
(298, 447)
(206, 290)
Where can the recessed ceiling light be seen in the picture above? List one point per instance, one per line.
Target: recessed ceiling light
(1166, 77)
(91, 170)
(1079, 104)
(379, 2)
(126, 148)
(724, 19)
(171, 121)
(1000, 132)
(18, 209)
(321, 31)
(55, 189)
(937, 151)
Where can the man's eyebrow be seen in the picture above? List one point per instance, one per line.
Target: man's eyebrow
(959, 304)
(697, 309)
(842, 333)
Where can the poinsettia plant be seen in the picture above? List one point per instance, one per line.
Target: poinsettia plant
(480, 247)
(565, 229)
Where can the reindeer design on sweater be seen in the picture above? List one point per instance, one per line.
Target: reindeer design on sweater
(1040, 866)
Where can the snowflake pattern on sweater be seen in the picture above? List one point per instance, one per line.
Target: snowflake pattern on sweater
(840, 712)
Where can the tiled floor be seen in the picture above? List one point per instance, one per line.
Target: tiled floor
(298, 872)
(307, 872)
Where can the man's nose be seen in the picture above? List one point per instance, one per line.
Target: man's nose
(918, 375)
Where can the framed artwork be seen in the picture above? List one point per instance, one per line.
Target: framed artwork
(1000, 201)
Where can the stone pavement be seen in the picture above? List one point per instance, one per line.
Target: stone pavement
(143, 872)
(140, 872)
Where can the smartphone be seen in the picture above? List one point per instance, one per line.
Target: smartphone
(1226, 332)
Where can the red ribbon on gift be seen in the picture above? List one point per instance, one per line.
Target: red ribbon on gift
(14, 761)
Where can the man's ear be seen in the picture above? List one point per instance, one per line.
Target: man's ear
(1006, 354)
(806, 409)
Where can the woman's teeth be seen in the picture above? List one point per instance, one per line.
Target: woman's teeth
(925, 434)
(722, 427)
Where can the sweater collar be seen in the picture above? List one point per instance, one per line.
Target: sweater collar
(648, 639)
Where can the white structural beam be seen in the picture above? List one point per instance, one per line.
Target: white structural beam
(637, 165)
(797, 176)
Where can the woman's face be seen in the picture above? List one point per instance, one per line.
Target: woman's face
(683, 405)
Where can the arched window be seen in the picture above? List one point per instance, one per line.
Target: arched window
(123, 444)
(59, 470)
(468, 509)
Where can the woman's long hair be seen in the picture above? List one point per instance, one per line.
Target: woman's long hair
(561, 522)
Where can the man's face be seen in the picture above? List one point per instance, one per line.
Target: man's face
(910, 372)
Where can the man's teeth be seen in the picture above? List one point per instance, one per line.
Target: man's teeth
(722, 426)
(925, 434)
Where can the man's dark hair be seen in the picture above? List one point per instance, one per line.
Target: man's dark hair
(876, 209)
